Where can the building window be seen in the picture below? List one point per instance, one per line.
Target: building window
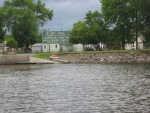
(56, 46)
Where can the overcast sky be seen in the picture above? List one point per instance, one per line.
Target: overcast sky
(67, 12)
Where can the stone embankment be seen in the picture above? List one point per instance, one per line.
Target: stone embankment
(107, 57)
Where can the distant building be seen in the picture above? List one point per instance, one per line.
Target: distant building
(37, 47)
(2, 45)
(56, 41)
(133, 45)
(77, 47)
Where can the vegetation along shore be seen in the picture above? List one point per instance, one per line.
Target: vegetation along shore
(122, 56)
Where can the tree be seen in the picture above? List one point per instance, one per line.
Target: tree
(91, 31)
(97, 28)
(130, 17)
(118, 16)
(79, 33)
(39, 37)
(2, 34)
(24, 17)
(2, 23)
(145, 17)
(11, 43)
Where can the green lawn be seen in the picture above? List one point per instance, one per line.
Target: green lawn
(47, 55)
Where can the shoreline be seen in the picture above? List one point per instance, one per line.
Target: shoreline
(107, 58)
(87, 58)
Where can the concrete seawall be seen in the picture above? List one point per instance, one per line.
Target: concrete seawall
(13, 59)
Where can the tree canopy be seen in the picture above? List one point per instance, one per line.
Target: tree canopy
(11, 42)
(23, 19)
(127, 19)
(91, 31)
(2, 24)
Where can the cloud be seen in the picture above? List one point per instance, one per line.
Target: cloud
(67, 12)
(1, 2)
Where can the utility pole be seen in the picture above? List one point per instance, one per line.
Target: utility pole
(137, 23)
(136, 29)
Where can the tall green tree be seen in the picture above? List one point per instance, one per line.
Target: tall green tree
(39, 37)
(130, 17)
(78, 34)
(2, 34)
(2, 24)
(118, 16)
(145, 17)
(91, 31)
(24, 17)
(97, 29)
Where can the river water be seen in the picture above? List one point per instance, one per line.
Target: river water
(75, 88)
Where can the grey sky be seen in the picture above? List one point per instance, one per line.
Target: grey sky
(67, 12)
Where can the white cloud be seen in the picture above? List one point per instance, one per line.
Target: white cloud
(1, 2)
(67, 12)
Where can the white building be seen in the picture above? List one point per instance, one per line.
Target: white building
(77, 47)
(2, 45)
(56, 47)
(37, 47)
(133, 45)
(56, 41)
(61, 47)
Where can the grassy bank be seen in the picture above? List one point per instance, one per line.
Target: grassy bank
(47, 55)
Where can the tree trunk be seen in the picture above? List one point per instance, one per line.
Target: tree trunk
(27, 45)
(123, 44)
(136, 30)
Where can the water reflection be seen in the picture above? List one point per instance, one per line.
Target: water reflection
(9, 68)
(80, 88)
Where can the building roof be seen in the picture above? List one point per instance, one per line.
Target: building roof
(37, 44)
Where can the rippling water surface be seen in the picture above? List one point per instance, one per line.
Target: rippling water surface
(75, 88)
